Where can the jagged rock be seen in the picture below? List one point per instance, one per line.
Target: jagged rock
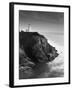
(43, 51)
(36, 47)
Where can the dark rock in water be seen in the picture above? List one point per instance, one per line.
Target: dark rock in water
(34, 49)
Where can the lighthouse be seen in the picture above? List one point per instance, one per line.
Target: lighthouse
(29, 28)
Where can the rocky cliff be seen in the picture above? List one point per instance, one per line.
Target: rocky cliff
(33, 49)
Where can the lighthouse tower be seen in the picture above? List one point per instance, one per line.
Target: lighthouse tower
(29, 28)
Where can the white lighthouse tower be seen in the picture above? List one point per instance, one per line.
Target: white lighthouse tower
(29, 28)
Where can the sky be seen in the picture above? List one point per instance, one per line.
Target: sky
(50, 24)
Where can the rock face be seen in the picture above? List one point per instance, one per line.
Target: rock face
(33, 49)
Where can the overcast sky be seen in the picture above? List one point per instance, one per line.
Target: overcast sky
(51, 24)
